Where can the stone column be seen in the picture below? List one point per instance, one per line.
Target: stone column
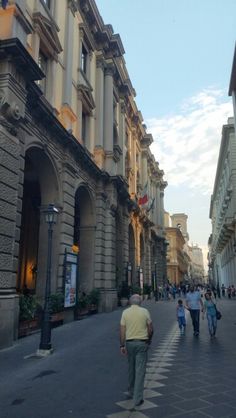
(108, 109)
(105, 237)
(125, 220)
(158, 201)
(67, 92)
(92, 116)
(99, 99)
(79, 114)
(122, 138)
(69, 177)
(162, 208)
(144, 168)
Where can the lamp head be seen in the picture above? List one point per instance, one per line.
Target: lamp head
(50, 214)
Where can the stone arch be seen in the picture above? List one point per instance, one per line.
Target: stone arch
(40, 188)
(84, 237)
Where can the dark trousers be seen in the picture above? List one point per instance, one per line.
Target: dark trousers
(195, 315)
(137, 358)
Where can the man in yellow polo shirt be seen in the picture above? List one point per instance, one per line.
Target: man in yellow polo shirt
(136, 331)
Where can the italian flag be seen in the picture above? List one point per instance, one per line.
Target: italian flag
(144, 198)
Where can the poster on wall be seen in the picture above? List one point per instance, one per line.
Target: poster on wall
(70, 280)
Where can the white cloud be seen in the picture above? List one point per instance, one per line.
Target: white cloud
(187, 144)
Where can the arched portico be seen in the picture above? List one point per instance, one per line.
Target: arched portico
(40, 188)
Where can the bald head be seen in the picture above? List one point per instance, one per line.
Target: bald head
(135, 299)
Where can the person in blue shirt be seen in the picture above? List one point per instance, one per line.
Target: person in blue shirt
(194, 304)
(210, 310)
(180, 313)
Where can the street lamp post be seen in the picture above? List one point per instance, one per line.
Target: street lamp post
(50, 214)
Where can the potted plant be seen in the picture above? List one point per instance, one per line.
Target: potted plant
(82, 305)
(136, 289)
(147, 291)
(93, 300)
(28, 319)
(57, 308)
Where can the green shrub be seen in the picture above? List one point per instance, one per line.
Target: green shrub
(94, 297)
(147, 289)
(136, 289)
(28, 307)
(56, 302)
(82, 300)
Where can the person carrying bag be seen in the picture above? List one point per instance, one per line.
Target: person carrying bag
(211, 311)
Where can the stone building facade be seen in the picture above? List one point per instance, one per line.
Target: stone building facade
(196, 270)
(71, 135)
(177, 267)
(222, 243)
(178, 261)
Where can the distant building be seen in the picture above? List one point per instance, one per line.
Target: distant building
(177, 256)
(184, 261)
(197, 265)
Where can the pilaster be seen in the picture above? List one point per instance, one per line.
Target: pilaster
(99, 99)
(67, 93)
(121, 164)
(108, 109)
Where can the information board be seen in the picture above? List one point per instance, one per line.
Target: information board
(70, 279)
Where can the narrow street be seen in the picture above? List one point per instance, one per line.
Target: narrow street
(86, 377)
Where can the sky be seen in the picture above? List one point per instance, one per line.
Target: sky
(179, 56)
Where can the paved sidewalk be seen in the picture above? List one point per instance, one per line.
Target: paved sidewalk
(191, 377)
(87, 378)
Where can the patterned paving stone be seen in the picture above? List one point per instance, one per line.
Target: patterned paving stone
(127, 414)
(129, 405)
(155, 376)
(218, 388)
(163, 412)
(157, 369)
(222, 398)
(195, 393)
(149, 393)
(192, 404)
(220, 411)
(152, 384)
(191, 415)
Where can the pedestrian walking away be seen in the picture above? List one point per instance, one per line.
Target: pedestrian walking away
(180, 313)
(194, 304)
(209, 308)
(136, 332)
(223, 289)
